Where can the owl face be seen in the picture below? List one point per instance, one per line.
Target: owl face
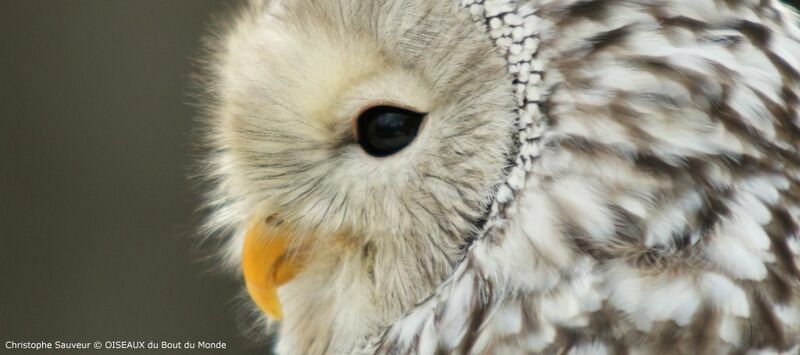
(374, 130)
(376, 118)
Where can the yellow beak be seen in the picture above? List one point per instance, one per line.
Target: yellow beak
(266, 265)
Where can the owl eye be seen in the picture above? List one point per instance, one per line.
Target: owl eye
(385, 130)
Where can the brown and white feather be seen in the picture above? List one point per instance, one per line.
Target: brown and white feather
(596, 176)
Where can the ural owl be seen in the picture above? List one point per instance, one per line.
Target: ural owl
(511, 176)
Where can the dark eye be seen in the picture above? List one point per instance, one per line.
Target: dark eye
(385, 130)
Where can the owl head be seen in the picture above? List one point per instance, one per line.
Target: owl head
(356, 146)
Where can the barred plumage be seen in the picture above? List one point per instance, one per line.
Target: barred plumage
(649, 202)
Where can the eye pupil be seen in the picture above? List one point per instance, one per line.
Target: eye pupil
(386, 130)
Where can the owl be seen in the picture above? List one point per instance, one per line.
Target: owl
(510, 176)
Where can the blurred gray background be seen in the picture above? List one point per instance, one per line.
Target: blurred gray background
(98, 216)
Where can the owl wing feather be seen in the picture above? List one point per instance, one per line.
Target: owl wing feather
(654, 202)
